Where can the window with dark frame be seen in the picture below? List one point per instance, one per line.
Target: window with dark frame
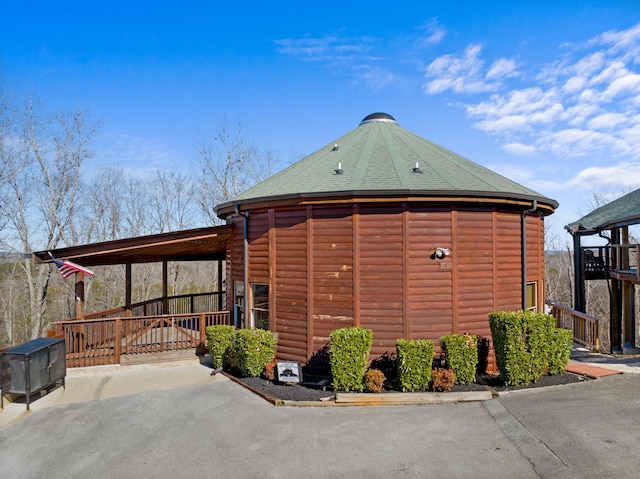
(260, 309)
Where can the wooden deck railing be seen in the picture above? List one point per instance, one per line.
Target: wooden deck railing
(182, 304)
(98, 341)
(584, 327)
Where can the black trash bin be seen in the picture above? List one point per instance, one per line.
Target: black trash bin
(32, 367)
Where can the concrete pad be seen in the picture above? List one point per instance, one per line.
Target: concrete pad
(101, 382)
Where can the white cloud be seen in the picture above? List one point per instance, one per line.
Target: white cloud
(606, 121)
(464, 73)
(519, 148)
(376, 78)
(434, 33)
(625, 175)
(501, 68)
(138, 156)
(325, 49)
(585, 102)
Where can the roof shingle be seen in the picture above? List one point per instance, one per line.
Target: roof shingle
(378, 158)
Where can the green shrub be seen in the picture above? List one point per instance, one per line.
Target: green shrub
(414, 360)
(528, 346)
(348, 356)
(560, 350)
(461, 355)
(220, 341)
(442, 379)
(254, 349)
(374, 380)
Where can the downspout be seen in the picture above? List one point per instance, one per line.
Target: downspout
(247, 291)
(523, 250)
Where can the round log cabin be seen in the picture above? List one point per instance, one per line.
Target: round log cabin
(388, 231)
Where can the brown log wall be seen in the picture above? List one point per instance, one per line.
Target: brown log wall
(372, 266)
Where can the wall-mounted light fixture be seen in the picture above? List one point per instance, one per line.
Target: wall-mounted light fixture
(442, 252)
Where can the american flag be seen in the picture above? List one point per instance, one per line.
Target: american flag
(67, 268)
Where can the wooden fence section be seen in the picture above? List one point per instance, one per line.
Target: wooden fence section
(99, 341)
(584, 327)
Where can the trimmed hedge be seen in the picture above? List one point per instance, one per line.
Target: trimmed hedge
(414, 360)
(528, 345)
(220, 341)
(560, 350)
(461, 355)
(348, 357)
(253, 350)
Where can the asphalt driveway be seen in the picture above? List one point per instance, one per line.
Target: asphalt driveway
(220, 430)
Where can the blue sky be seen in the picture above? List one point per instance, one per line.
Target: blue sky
(545, 92)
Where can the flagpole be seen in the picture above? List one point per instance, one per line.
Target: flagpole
(79, 295)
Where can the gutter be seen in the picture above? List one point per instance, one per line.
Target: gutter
(523, 250)
(247, 290)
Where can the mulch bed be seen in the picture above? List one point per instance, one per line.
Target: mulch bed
(298, 392)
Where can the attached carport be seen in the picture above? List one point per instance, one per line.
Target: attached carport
(200, 244)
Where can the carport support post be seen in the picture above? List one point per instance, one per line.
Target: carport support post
(220, 289)
(165, 288)
(80, 295)
(127, 292)
(578, 270)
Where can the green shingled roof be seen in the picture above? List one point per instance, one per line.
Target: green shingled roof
(624, 210)
(378, 158)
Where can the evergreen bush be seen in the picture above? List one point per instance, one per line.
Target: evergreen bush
(461, 355)
(414, 361)
(253, 350)
(528, 346)
(220, 340)
(560, 350)
(348, 357)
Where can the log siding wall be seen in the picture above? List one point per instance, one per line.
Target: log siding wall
(373, 266)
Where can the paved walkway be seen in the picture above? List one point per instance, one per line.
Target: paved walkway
(102, 382)
(178, 421)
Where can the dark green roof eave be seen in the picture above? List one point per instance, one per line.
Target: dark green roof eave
(623, 211)
(225, 209)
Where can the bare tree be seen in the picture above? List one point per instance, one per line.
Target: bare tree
(40, 197)
(229, 165)
(172, 201)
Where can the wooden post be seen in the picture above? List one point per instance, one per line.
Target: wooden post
(220, 290)
(578, 274)
(79, 295)
(127, 293)
(117, 340)
(203, 327)
(165, 288)
(628, 316)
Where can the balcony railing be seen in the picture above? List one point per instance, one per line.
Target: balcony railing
(584, 327)
(182, 304)
(99, 341)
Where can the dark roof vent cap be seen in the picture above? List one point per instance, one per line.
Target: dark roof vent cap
(378, 117)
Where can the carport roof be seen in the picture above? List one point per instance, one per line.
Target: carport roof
(199, 244)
